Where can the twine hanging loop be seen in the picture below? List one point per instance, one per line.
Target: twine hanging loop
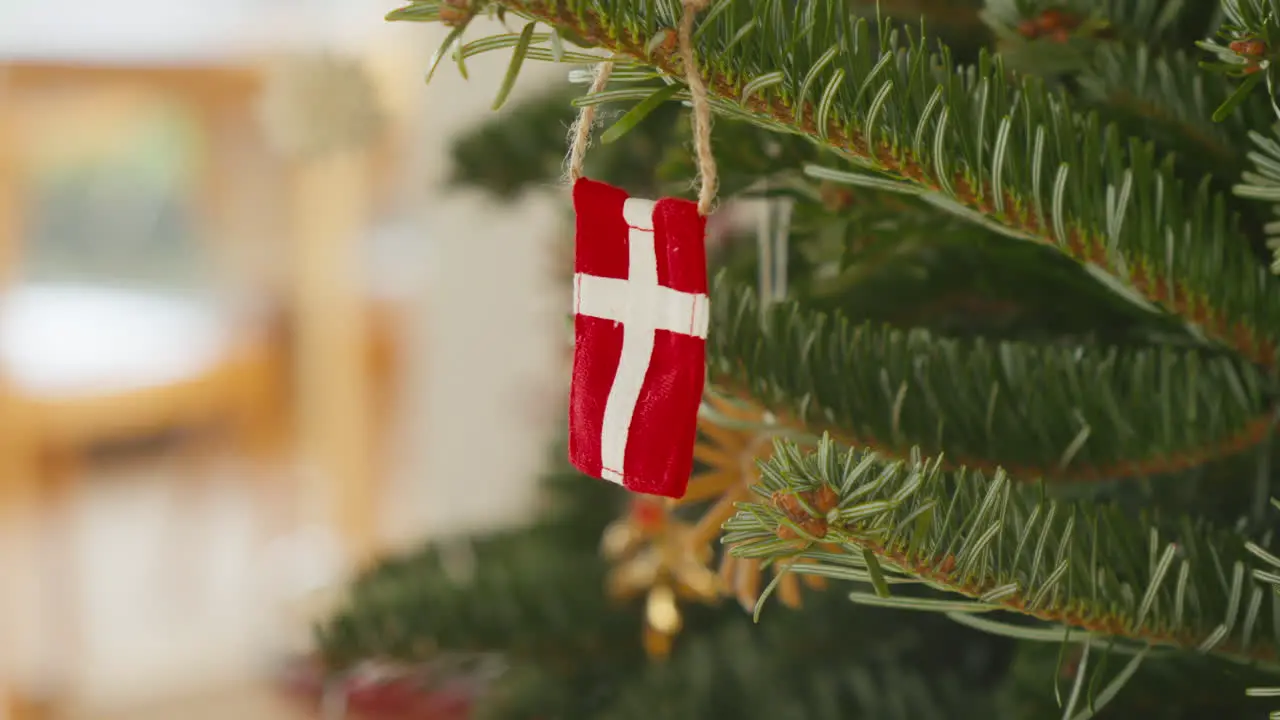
(708, 177)
(580, 133)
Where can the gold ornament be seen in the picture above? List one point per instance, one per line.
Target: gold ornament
(731, 455)
(654, 555)
(669, 560)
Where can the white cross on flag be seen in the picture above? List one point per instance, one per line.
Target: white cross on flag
(640, 326)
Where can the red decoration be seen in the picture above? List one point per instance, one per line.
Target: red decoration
(406, 694)
(1053, 19)
(649, 514)
(640, 328)
(1053, 23)
(1248, 48)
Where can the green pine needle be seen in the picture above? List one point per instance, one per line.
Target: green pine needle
(1140, 607)
(513, 70)
(638, 113)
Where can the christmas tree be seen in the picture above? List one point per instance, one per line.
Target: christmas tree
(991, 384)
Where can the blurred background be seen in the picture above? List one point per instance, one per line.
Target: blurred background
(247, 338)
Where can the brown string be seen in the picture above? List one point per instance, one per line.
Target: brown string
(708, 177)
(580, 133)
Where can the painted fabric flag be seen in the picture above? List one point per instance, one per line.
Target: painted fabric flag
(640, 326)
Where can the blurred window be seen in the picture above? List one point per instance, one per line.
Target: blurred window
(112, 202)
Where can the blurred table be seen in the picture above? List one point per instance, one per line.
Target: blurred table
(62, 340)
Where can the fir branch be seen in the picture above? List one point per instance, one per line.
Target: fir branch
(1004, 151)
(872, 688)
(1264, 185)
(1170, 95)
(1111, 49)
(893, 670)
(1251, 32)
(524, 148)
(520, 591)
(518, 601)
(954, 14)
(512, 153)
(535, 597)
(1091, 567)
(1170, 99)
(1062, 413)
(1169, 686)
(1153, 23)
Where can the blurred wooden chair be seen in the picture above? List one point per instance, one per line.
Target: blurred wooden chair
(86, 372)
(88, 369)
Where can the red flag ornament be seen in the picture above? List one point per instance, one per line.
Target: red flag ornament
(640, 310)
(640, 326)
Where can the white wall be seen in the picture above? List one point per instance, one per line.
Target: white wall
(480, 420)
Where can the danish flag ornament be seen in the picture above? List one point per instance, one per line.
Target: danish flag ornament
(640, 325)
(640, 310)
